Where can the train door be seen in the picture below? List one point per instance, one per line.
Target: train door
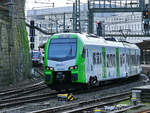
(94, 61)
(90, 70)
(133, 53)
(126, 62)
(138, 62)
(97, 63)
(128, 67)
(122, 62)
(111, 68)
(87, 64)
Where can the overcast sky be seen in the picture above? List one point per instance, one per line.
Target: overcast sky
(45, 3)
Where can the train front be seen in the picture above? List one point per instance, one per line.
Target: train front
(64, 63)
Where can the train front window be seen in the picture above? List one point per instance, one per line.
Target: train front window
(62, 49)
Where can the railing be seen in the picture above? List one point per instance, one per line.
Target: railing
(114, 3)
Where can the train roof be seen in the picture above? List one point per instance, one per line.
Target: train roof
(90, 39)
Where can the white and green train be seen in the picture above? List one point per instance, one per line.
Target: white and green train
(73, 59)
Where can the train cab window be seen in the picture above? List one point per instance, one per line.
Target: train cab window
(62, 49)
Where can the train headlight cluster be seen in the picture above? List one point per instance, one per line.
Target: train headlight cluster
(73, 67)
(50, 68)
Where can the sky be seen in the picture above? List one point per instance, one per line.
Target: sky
(47, 3)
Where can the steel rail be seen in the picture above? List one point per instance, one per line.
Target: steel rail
(64, 108)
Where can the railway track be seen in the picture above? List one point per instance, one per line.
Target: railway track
(18, 92)
(16, 100)
(145, 111)
(25, 86)
(110, 85)
(22, 91)
(39, 70)
(87, 105)
(19, 99)
(14, 97)
(26, 99)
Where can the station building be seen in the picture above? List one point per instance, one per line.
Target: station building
(52, 20)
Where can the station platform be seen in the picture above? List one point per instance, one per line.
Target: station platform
(141, 93)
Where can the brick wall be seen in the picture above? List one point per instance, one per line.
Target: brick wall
(14, 47)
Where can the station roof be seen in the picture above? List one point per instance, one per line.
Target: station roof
(144, 45)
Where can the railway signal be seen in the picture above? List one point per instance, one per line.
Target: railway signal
(145, 14)
(32, 34)
(100, 28)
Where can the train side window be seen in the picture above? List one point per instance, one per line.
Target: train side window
(136, 60)
(139, 60)
(126, 59)
(98, 58)
(132, 59)
(83, 52)
(87, 53)
(114, 60)
(94, 59)
(121, 60)
(107, 60)
(111, 60)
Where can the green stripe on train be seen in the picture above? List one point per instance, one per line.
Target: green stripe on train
(117, 62)
(104, 62)
(80, 61)
(46, 72)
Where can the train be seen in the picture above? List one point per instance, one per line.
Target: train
(36, 58)
(75, 59)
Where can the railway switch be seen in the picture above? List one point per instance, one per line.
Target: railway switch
(66, 97)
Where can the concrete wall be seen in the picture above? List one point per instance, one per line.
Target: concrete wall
(14, 47)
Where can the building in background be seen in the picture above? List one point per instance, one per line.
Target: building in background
(125, 24)
(131, 22)
(52, 20)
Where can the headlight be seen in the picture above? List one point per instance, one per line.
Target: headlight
(73, 67)
(49, 68)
